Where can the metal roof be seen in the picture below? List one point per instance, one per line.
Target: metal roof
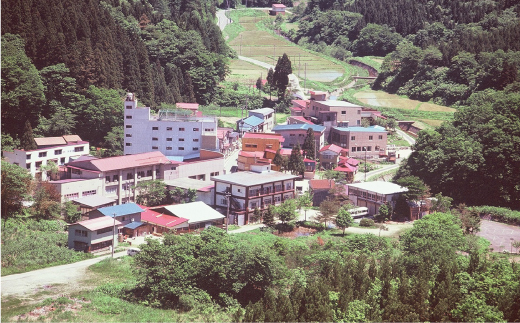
(299, 126)
(133, 225)
(252, 178)
(252, 121)
(50, 141)
(158, 218)
(332, 147)
(362, 129)
(94, 200)
(128, 161)
(379, 187)
(334, 103)
(121, 209)
(97, 223)
(195, 212)
(264, 111)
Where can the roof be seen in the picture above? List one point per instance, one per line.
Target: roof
(318, 92)
(302, 103)
(332, 147)
(94, 200)
(286, 151)
(335, 103)
(195, 212)
(317, 184)
(257, 154)
(262, 135)
(188, 106)
(278, 5)
(72, 138)
(187, 183)
(299, 126)
(349, 160)
(122, 162)
(345, 168)
(379, 187)
(264, 111)
(301, 119)
(133, 225)
(221, 132)
(121, 209)
(98, 223)
(252, 121)
(159, 218)
(307, 160)
(251, 178)
(362, 129)
(71, 180)
(50, 141)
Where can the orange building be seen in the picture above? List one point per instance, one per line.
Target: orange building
(256, 141)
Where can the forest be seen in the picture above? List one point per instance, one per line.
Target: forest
(433, 50)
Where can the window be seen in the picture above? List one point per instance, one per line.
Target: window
(129, 107)
(358, 111)
(343, 112)
(72, 196)
(269, 146)
(288, 186)
(115, 178)
(369, 148)
(128, 126)
(173, 168)
(129, 176)
(155, 138)
(181, 139)
(292, 135)
(181, 148)
(104, 230)
(62, 160)
(128, 135)
(129, 117)
(155, 128)
(209, 129)
(239, 190)
(251, 146)
(38, 164)
(214, 174)
(195, 148)
(111, 190)
(358, 122)
(169, 128)
(107, 178)
(169, 148)
(42, 154)
(28, 165)
(370, 137)
(75, 171)
(253, 205)
(181, 129)
(301, 135)
(223, 201)
(149, 173)
(380, 137)
(28, 156)
(352, 137)
(128, 144)
(57, 152)
(80, 233)
(140, 174)
(169, 139)
(88, 193)
(155, 147)
(195, 129)
(78, 149)
(196, 140)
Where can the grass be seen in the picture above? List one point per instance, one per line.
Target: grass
(397, 140)
(374, 178)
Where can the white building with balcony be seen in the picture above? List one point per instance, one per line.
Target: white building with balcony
(181, 132)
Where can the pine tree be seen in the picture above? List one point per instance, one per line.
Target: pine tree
(278, 160)
(281, 75)
(27, 140)
(269, 215)
(270, 81)
(296, 165)
(309, 145)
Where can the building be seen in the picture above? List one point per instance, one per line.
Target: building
(159, 220)
(246, 159)
(128, 215)
(250, 124)
(249, 190)
(182, 132)
(294, 134)
(115, 177)
(266, 114)
(374, 194)
(320, 189)
(204, 188)
(329, 156)
(59, 150)
(297, 120)
(277, 9)
(93, 202)
(199, 215)
(227, 140)
(93, 235)
(347, 166)
(360, 141)
(261, 141)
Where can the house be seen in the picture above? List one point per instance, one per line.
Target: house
(59, 150)
(347, 166)
(320, 189)
(178, 132)
(228, 140)
(93, 235)
(294, 134)
(267, 114)
(128, 215)
(310, 168)
(297, 120)
(277, 9)
(249, 190)
(329, 156)
(204, 188)
(250, 124)
(93, 202)
(160, 221)
(248, 158)
(374, 194)
(361, 141)
(116, 177)
(199, 216)
(261, 141)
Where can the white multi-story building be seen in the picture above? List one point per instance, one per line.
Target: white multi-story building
(59, 150)
(173, 133)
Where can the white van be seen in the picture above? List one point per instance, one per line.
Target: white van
(133, 251)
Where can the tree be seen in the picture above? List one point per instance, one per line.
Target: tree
(270, 81)
(343, 219)
(281, 75)
(328, 208)
(334, 174)
(150, 193)
(50, 170)
(27, 140)
(16, 186)
(296, 164)
(71, 212)
(259, 84)
(114, 141)
(287, 211)
(391, 124)
(416, 187)
(309, 145)
(305, 201)
(280, 161)
(469, 219)
(191, 195)
(384, 213)
(269, 216)
(47, 201)
(441, 203)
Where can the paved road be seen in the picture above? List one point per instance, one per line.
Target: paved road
(499, 234)
(34, 281)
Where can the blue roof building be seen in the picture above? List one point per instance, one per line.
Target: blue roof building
(296, 133)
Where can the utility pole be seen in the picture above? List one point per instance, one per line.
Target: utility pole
(114, 236)
(240, 44)
(274, 55)
(228, 195)
(305, 78)
(365, 148)
(299, 63)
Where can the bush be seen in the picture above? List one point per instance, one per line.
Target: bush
(366, 223)
(499, 214)
(285, 227)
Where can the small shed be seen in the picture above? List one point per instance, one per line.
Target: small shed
(277, 9)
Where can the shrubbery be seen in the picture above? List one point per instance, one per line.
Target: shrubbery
(499, 214)
(366, 223)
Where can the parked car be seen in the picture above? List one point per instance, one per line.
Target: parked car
(133, 251)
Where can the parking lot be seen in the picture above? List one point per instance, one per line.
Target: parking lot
(499, 234)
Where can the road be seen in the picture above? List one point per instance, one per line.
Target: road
(37, 280)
